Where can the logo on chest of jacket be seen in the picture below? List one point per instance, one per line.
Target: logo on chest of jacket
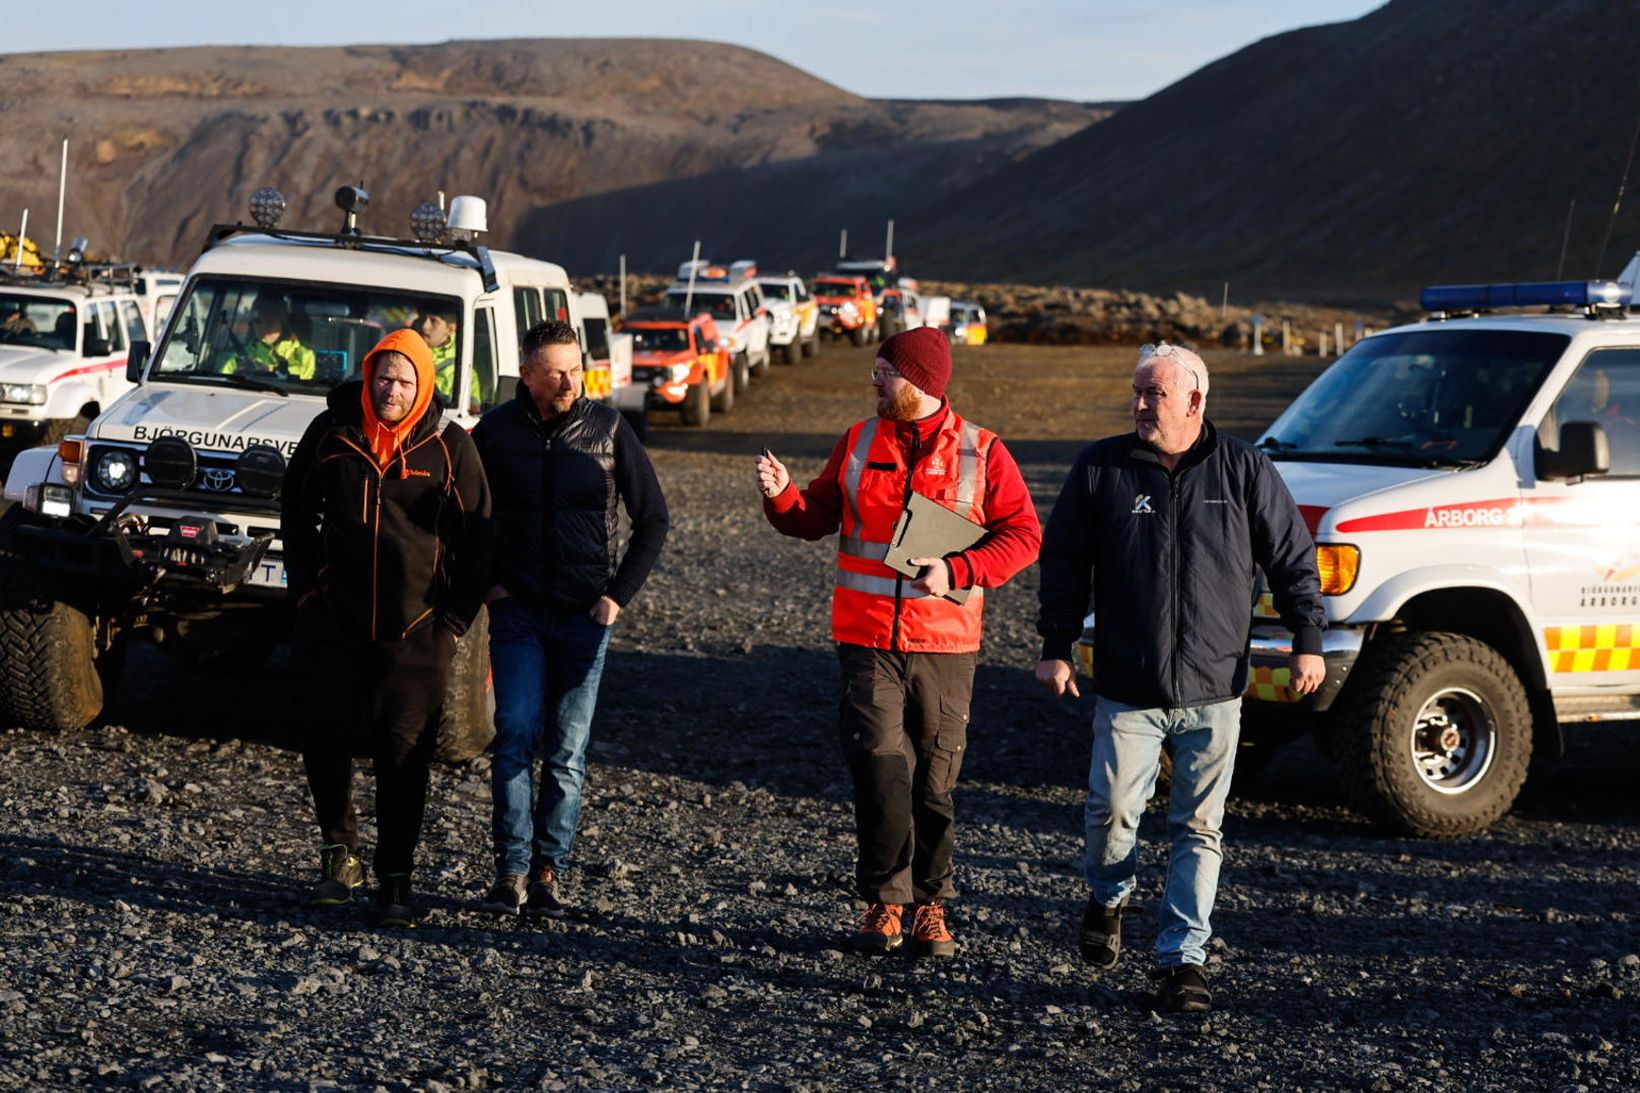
(936, 465)
(1141, 504)
(411, 472)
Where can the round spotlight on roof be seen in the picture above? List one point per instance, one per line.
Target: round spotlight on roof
(428, 223)
(76, 251)
(267, 206)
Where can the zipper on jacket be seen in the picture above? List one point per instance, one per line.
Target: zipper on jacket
(375, 558)
(1173, 576)
(905, 502)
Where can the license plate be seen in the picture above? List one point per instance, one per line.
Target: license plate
(270, 573)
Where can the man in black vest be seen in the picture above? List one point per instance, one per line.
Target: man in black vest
(558, 464)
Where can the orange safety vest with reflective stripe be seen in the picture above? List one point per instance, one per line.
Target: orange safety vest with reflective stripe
(872, 605)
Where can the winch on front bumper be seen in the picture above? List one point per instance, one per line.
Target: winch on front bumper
(141, 550)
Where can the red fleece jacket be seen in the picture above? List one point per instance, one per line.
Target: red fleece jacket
(1013, 533)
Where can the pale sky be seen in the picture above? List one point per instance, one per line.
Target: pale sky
(1089, 51)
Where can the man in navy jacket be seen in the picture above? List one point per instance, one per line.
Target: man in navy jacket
(1162, 529)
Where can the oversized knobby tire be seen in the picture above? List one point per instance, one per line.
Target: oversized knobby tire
(857, 336)
(724, 400)
(811, 347)
(696, 407)
(740, 369)
(761, 368)
(52, 678)
(791, 351)
(887, 327)
(1433, 736)
(57, 428)
(467, 721)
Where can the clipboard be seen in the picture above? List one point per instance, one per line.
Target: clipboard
(927, 529)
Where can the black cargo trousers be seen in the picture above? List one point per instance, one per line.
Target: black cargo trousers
(380, 697)
(903, 723)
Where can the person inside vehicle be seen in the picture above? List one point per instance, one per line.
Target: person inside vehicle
(437, 323)
(14, 320)
(270, 347)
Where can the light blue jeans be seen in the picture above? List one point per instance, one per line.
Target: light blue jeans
(1127, 748)
(547, 665)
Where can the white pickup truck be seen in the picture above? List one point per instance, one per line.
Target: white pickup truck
(731, 296)
(161, 518)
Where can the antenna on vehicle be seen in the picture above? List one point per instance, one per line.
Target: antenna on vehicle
(694, 267)
(1565, 238)
(1618, 201)
(842, 245)
(888, 247)
(22, 235)
(62, 187)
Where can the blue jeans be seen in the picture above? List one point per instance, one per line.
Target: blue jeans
(1127, 747)
(546, 666)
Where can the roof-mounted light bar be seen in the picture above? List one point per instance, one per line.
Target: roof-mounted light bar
(1530, 294)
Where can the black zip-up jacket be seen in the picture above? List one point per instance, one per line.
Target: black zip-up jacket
(1169, 559)
(557, 486)
(389, 550)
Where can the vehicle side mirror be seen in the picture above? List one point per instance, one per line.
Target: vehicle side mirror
(135, 358)
(96, 346)
(1584, 451)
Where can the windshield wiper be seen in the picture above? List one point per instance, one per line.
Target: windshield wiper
(252, 383)
(1274, 445)
(1375, 442)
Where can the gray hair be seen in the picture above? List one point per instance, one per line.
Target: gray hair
(1186, 359)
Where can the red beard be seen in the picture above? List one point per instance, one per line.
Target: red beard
(901, 406)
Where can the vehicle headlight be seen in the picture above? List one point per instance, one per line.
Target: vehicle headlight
(1338, 563)
(848, 309)
(114, 470)
(30, 394)
(678, 372)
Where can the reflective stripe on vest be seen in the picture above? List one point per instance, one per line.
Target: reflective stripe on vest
(884, 586)
(856, 467)
(856, 547)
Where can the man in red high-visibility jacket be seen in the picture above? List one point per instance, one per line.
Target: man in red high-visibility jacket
(907, 652)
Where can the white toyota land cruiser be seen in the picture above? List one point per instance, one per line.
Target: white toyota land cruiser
(162, 518)
(1473, 484)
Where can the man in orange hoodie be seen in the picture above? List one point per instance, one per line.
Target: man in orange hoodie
(387, 536)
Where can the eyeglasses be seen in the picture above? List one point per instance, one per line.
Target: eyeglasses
(885, 374)
(1164, 349)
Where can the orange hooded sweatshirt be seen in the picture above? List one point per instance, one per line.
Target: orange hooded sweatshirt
(385, 440)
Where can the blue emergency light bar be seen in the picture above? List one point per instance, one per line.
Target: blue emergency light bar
(1531, 294)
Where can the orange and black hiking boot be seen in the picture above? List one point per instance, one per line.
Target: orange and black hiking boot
(929, 936)
(880, 929)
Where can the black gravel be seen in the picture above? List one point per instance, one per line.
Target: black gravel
(151, 932)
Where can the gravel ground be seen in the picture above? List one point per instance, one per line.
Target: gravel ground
(151, 932)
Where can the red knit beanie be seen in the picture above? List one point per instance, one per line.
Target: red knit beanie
(922, 356)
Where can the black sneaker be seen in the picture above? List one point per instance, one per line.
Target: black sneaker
(1102, 933)
(341, 873)
(1184, 990)
(393, 905)
(546, 896)
(506, 896)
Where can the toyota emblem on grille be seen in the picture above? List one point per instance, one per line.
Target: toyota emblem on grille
(219, 480)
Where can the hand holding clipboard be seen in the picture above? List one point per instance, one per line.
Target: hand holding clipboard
(925, 533)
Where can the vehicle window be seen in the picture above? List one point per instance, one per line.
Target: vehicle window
(557, 304)
(162, 310)
(132, 316)
(781, 291)
(108, 326)
(485, 363)
(1606, 389)
(1426, 398)
(527, 308)
(755, 292)
(662, 340)
(37, 320)
(802, 292)
(719, 305)
(287, 335)
(598, 337)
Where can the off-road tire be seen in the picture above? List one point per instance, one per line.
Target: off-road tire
(857, 336)
(740, 372)
(1373, 730)
(467, 722)
(887, 328)
(51, 678)
(761, 368)
(696, 407)
(724, 400)
(59, 427)
(811, 347)
(791, 352)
